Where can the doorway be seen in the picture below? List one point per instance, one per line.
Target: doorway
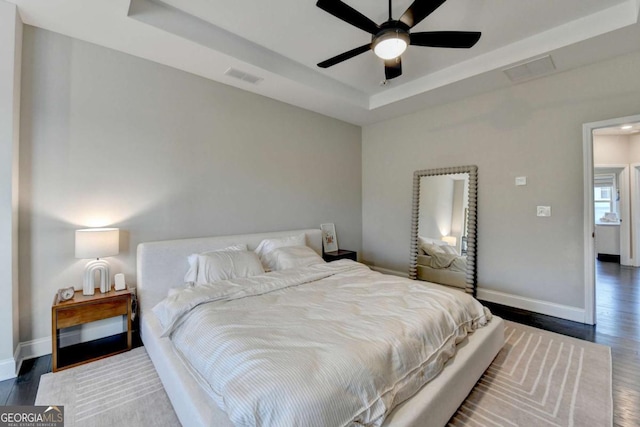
(617, 204)
(612, 211)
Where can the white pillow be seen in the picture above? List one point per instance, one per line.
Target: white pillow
(447, 249)
(225, 265)
(268, 245)
(192, 273)
(431, 249)
(287, 257)
(176, 289)
(430, 241)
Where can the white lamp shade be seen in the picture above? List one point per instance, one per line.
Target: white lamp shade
(97, 242)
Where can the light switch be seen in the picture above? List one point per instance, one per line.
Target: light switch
(521, 180)
(544, 210)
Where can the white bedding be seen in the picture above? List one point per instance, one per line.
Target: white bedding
(443, 261)
(342, 342)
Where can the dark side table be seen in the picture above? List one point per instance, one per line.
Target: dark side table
(340, 254)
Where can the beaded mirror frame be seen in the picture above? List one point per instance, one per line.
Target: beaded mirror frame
(472, 223)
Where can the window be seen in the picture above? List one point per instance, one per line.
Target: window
(605, 195)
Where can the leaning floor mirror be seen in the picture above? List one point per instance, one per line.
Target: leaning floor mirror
(443, 227)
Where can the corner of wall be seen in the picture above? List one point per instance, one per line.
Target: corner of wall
(11, 53)
(8, 368)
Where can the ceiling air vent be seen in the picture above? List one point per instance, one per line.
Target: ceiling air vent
(249, 78)
(531, 69)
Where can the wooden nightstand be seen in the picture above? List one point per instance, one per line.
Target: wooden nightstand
(340, 254)
(84, 309)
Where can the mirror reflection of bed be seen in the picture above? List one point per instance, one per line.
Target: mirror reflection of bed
(444, 218)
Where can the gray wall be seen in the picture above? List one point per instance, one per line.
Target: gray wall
(110, 139)
(532, 129)
(10, 64)
(436, 202)
(616, 149)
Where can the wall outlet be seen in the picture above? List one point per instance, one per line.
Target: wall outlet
(521, 180)
(544, 210)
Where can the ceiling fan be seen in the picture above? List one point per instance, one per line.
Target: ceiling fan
(391, 38)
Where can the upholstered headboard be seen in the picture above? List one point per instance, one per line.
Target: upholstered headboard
(162, 265)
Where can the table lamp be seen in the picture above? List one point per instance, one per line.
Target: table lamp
(97, 243)
(450, 240)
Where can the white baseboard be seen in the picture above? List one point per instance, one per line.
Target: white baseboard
(7, 369)
(575, 314)
(567, 312)
(34, 348)
(30, 349)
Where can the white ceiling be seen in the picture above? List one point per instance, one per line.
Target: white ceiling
(281, 41)
(626, 129)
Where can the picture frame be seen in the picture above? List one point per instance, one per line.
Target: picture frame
(329, 238)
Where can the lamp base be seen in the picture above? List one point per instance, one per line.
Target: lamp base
(88, 284)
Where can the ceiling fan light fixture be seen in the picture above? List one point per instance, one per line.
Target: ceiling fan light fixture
(390, 44)
(391, 38)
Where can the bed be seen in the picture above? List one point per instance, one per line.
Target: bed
(455, 277)
(162, 266)
(438, 262)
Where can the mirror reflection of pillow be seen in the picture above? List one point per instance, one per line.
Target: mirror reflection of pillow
(430, 241)
(449, 249)
(442, 260)
(425, 241)
(431, 249)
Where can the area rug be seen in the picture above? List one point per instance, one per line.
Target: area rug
(122, 390)
(538, 379)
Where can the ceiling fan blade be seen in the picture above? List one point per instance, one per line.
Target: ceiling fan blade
(419, 10)
(348, 14)
(393, 68)
(344, 56)
(457, 39)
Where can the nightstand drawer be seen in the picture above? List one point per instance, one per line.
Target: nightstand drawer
(78, 315)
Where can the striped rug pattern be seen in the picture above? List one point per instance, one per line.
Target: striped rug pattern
(538, 379)
(123, 390)
(541, 378)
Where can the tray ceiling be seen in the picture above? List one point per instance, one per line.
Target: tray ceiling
(281, 41)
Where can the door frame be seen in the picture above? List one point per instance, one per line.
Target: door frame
(589, 221)
(635, 213)
(622, 177)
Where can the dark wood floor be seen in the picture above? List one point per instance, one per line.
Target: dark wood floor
(618, 316)
(22, 390)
